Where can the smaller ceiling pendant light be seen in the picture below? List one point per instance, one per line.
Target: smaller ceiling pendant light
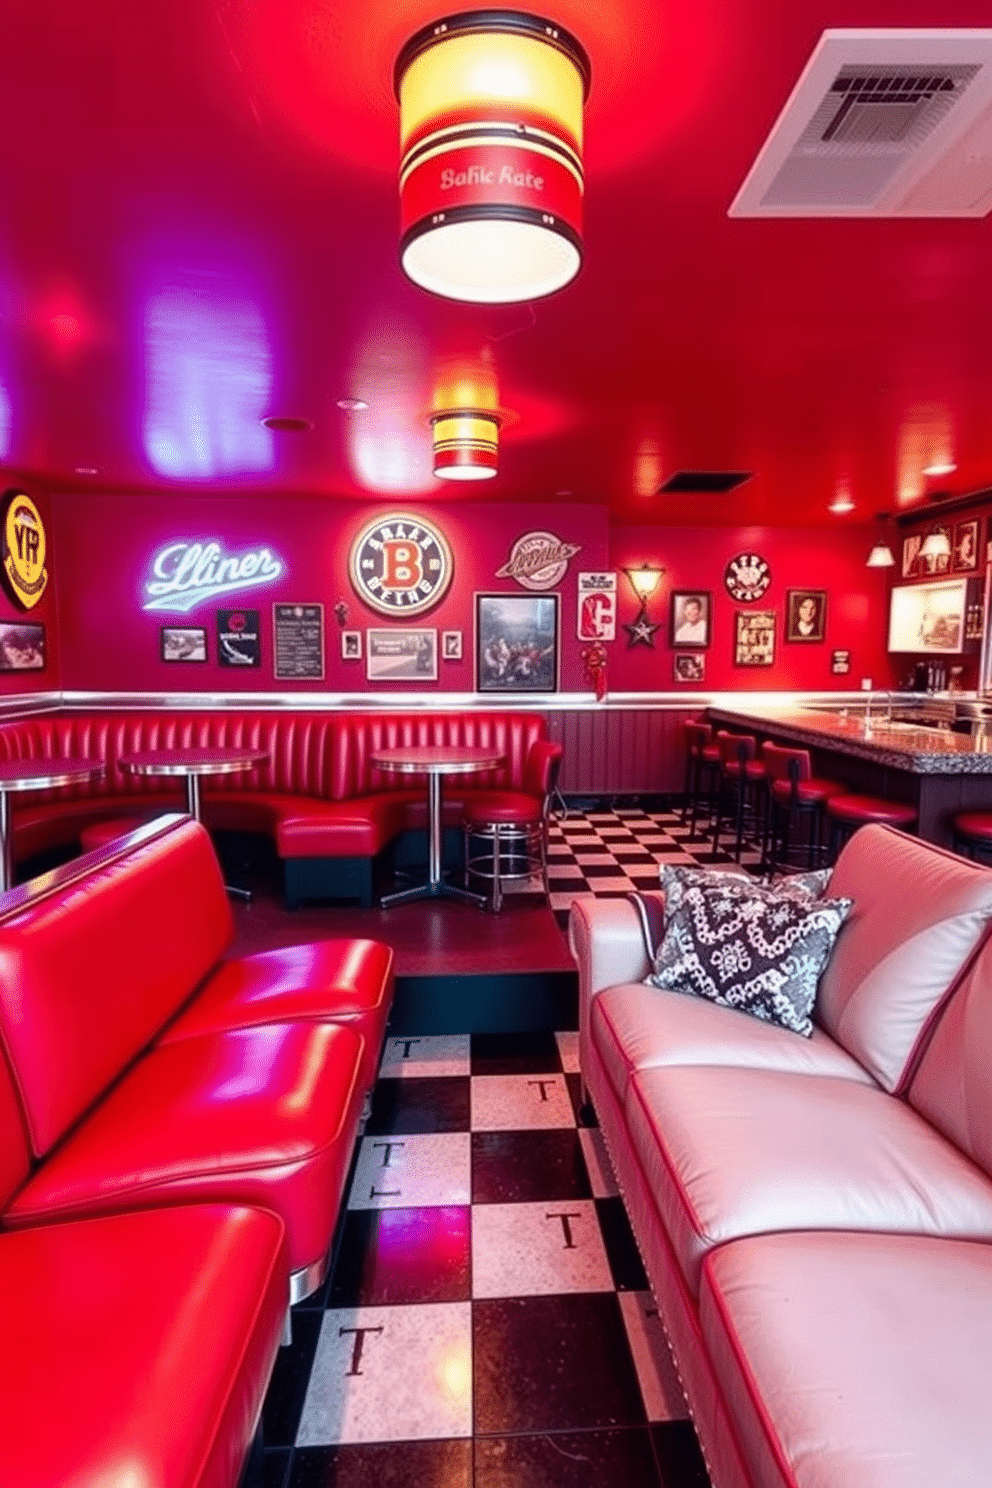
(881, 555)
(466, 420)
(491, 172)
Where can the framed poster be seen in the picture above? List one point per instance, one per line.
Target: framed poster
(298, 641)
(596, 618)
(516, 642)
(840, 663)
(396, 655)
(806, 614)
(239, 643)
(911, 555)
(184, 643)
(754, 638)
(689, 620)
(689, 668)
(451, 645)
(22, 647)
(964, 548)
(351, 645)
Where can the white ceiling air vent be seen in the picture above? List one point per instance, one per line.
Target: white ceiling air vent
(881, 124)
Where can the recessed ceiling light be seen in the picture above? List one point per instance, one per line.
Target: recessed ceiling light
(352, 405)
(940, 467)
(841, 504)
(288, 425)
(87, 470)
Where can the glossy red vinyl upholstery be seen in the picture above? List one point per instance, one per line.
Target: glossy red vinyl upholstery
(94, 1390)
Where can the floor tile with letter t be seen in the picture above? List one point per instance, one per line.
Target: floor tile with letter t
(404, 1172)
(520, 1102)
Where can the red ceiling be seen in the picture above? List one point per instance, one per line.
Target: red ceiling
(199, 225)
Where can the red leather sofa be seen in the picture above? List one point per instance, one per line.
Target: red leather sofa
(174, 1125)
(329, 811)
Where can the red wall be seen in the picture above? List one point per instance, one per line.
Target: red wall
(43, 613)
(107, 544)
(800, 558)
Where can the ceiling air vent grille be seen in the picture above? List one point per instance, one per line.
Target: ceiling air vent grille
(881, 123)
(704, 482)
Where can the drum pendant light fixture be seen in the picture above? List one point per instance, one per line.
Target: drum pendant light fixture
(491, 172)
(466, 421)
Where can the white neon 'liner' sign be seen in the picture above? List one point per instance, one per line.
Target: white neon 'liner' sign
(187, 573)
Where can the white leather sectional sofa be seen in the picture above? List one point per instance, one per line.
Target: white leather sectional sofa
(815, 1214)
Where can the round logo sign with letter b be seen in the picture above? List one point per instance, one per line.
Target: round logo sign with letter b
(400, 565)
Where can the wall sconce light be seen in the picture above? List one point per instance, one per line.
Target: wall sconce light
(644, 581)
(936, 544)
(491, 175)
(881, 555)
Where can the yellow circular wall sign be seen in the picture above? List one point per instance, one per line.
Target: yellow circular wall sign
(25, 549)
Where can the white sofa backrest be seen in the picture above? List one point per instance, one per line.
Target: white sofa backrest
(952, 1088)
(918, 915)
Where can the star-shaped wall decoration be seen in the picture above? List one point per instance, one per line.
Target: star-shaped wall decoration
(641, 631)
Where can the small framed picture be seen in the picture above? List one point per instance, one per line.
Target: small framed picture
(689, 620)
(806, 615)
(516, 642)
(964, 549)
(401, 655)
(840, 663)
(184, 643)
(754, 638)
(351, 645)
(22, 647)
(689, 668)
(911, 555)
(451, 645)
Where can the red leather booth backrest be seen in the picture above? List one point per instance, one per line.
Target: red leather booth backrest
(89, 974)
(15, 1158)
(360, 735)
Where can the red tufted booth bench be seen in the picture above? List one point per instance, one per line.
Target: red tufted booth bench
(171, 1124)
(330, 813)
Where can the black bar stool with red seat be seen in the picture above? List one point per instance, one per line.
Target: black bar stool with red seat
(702, 758)
(971, 834)
(795, 797)
(847, 813)
(745, 778)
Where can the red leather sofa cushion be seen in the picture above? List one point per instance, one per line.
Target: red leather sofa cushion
(341, 981)
(360, 828)
(264, 1116)
(90, 976)
(96, 1390)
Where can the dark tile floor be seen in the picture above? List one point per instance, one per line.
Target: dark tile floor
(487, 1323)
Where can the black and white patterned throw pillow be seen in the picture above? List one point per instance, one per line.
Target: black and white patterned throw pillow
(749, 948)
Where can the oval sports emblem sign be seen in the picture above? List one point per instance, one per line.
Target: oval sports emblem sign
(400, 564)
(25, 549)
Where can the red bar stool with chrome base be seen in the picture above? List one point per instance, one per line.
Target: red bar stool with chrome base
(795, 797)
(847, 813)
(506, 831)
(744, 777)
(971, 834)
(702, 757)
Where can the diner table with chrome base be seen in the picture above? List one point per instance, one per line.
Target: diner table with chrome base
(34, 774)
(435, 761)
(191, 764)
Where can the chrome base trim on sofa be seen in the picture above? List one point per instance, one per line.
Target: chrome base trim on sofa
(302, 1283)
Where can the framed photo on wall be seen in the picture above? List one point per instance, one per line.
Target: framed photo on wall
(516, 642)
(22, 647)
(184, 643)
(754, 638)
(396, 655)
(351, 645)
(805, 614)
(451, 645)
(911, 555)
(689, 618)
(689, 668)
(964, 548)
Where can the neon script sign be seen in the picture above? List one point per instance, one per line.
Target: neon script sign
(184, 574)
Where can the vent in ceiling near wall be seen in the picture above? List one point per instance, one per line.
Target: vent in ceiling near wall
(705, 482)
(881, 124)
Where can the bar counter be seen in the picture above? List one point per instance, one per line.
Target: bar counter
(938, 771)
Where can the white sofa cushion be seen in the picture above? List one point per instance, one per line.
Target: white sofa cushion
(918, 915)
(639, 1027)
(855, 1360)
(953, 1086)
(733, 1152)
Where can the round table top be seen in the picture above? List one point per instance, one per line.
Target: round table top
(437, 759)
(218, 761)
(38, 774)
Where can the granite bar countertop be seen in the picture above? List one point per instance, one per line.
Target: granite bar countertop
(899, 746)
